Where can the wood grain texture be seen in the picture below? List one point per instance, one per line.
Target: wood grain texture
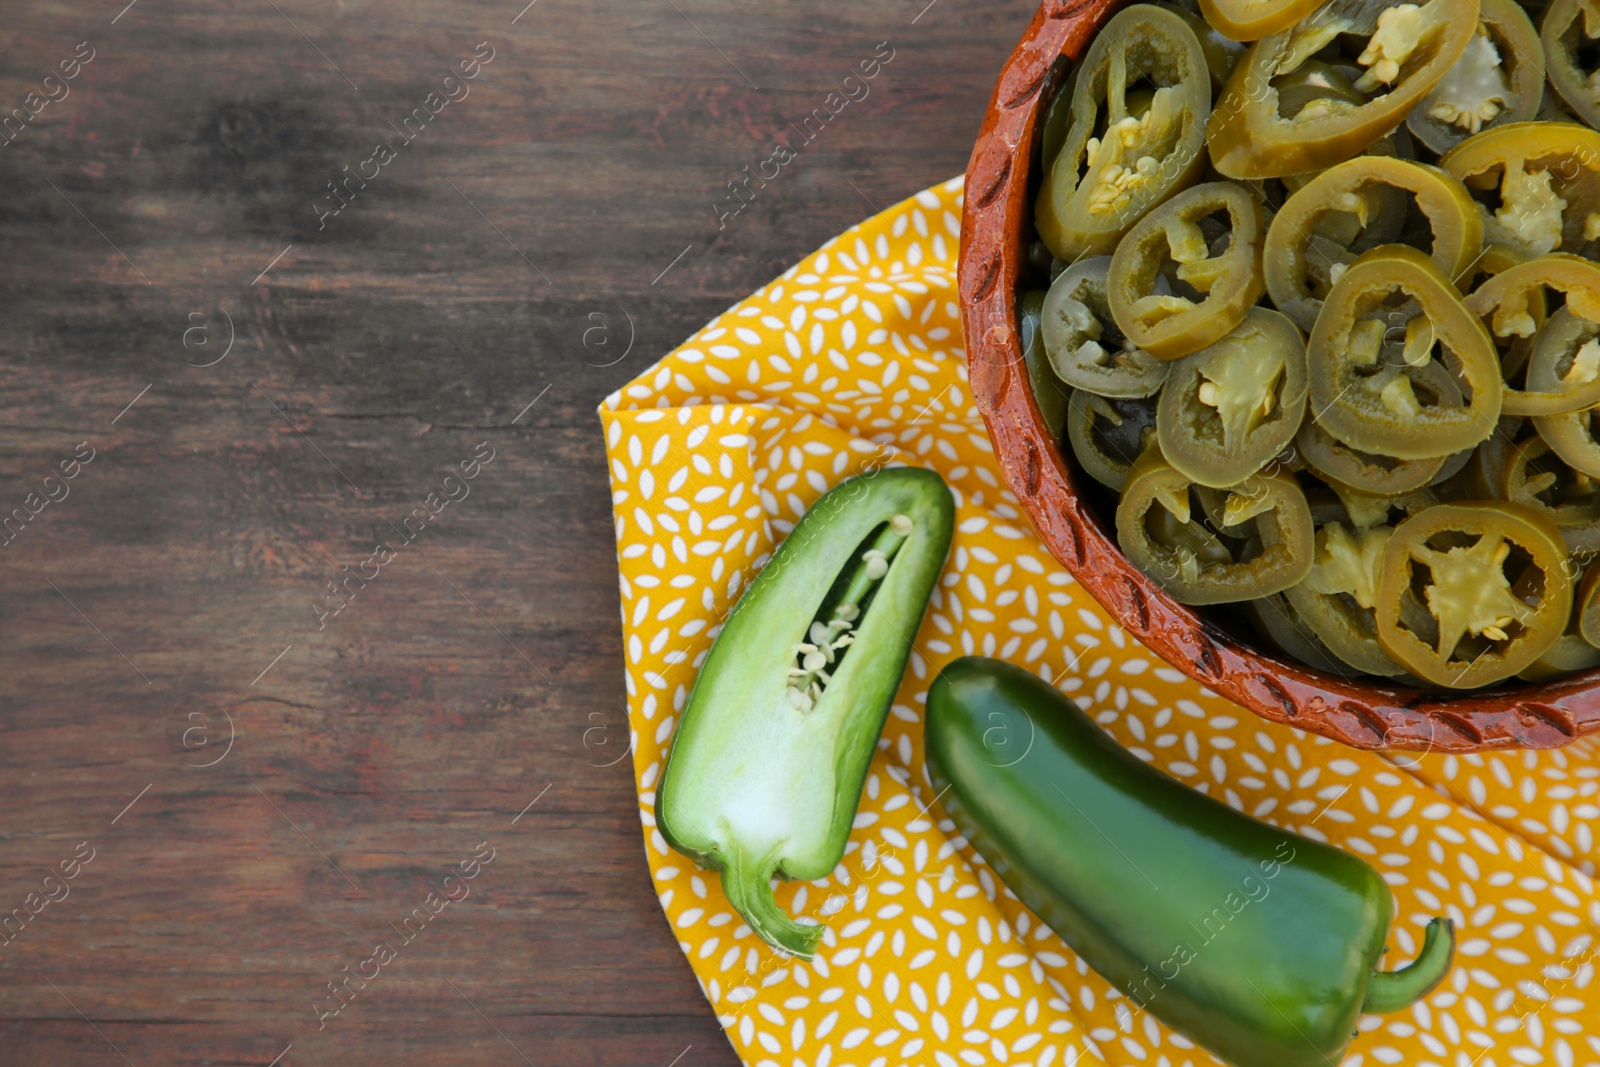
(482, 665)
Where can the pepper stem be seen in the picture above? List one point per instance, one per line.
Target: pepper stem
(1392, 990)
(749, 890)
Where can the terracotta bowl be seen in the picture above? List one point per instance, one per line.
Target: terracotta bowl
(996, 230)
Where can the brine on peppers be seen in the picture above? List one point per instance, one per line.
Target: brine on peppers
(1217, 273)
(1408, 48)
(1136, 132)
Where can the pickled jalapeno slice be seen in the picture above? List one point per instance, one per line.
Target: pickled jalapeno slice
(1106, 434)
(1345, 566)
(1159, 533)
(1126, 149)
(1251, 20)
(1389, 318)
(1333, 459)
(1408, 49)
(1586, 609)
(1563, 369)
(1217, 274)
(1536, 478)
(1350, 208)
(1281, 627)
(1570, 33)
(1499, 79)
(1229, 408)
(1086, 347)
(1537, 184)
(1493, 578)
(1049, 393)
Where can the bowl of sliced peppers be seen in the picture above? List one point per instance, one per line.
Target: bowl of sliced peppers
(1284, 317)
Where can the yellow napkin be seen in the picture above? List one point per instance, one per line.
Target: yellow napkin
(853, 360)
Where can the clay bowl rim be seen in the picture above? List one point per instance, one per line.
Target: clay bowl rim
(996, 219)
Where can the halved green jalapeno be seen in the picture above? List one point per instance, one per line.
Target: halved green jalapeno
(1536, 478)
(1049, 393)
(1157, 495)
(1493, 579)
(1570, 31)
(1372, 404)
(1124, 153)
(1409, 48)
(1221, 287)
(1229, 408)
(1107, 434)
(1321, 229)
(1336, 599)
(1086, 346)
(1539, 183)
(1499, 79)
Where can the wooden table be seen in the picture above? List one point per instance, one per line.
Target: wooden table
(253, 392)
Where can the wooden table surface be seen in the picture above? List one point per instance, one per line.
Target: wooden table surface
(252, 391)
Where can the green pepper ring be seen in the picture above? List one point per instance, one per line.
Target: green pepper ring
(1063, 214)
(1559, 32)
(1284, 526)
(1513, 35)
(1136, 266)
(1248, 138)
(1187, 429)
(1449, 208)
(1528, 530)
(1434, 431)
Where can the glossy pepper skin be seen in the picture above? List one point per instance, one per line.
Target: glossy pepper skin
(1256, 943)
(756, 786)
